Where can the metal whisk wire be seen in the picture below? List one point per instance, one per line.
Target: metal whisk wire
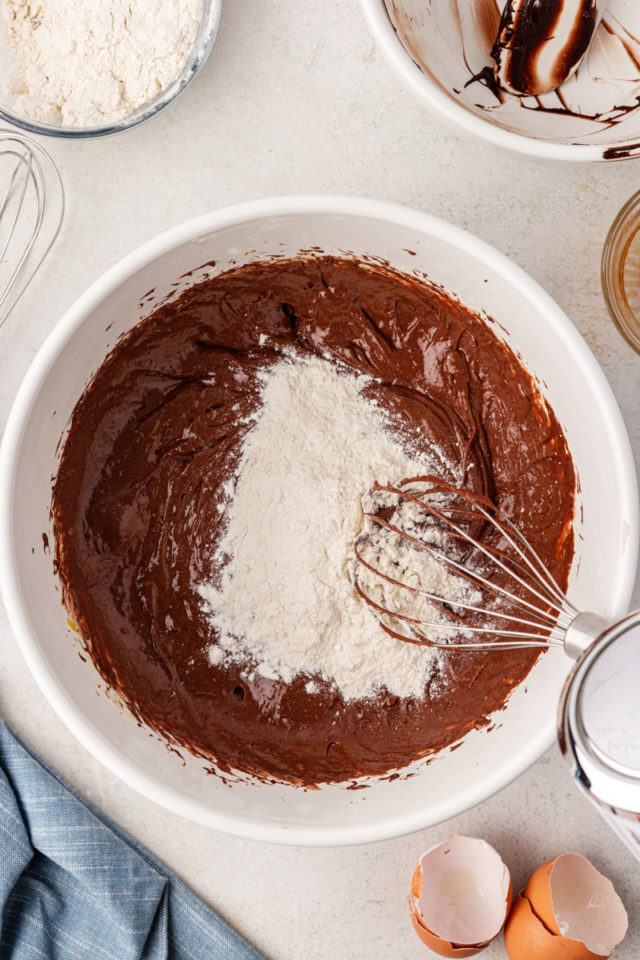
(31, 214)
(546, 611)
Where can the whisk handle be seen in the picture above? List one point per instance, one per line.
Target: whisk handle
(582, 631)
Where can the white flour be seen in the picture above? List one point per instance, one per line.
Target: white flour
(395, 558)
(89, 62)
(286, 602)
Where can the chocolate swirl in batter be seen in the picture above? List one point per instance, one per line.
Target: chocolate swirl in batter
(160, 428)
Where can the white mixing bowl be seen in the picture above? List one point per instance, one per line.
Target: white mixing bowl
(437, 48)
(552, 350)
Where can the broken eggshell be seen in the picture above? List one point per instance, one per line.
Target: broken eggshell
(460, 896)
(567, 911)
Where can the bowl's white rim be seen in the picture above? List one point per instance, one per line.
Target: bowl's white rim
(85, 731)
(435, 97)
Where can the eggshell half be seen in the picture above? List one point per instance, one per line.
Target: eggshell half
(460, 897)
(567, 911)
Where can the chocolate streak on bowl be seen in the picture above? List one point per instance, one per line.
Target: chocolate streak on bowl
(158, 432)
(525, 28)
(602, 93)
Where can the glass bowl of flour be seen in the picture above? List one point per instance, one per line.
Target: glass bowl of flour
(89, 68)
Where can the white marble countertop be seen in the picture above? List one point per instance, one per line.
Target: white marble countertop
(296, 99)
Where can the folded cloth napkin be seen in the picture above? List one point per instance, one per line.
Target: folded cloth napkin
(73, 886)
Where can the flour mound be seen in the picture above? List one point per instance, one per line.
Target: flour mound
(285, 603)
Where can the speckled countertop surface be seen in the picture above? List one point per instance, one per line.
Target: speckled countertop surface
(296, 99)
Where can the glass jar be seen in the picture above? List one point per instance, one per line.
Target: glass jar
(620, 271)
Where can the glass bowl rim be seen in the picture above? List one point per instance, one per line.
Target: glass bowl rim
(622, 231)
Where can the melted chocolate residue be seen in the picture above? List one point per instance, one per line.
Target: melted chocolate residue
(619, 40)
(525, 28)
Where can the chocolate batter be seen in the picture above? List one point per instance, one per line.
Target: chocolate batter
(156, 434)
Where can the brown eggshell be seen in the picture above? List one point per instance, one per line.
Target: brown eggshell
(439, 945)
(527, 938)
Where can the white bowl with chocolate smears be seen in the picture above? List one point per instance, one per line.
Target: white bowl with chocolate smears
(492, 78)
(134, 402)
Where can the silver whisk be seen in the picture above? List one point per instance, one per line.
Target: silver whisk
(31, 212)
(494, 583)
(434, 559)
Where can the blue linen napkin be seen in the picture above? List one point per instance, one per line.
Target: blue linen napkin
(73, 886)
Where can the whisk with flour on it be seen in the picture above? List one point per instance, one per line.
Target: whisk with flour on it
(31, 212)
(442, 566)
